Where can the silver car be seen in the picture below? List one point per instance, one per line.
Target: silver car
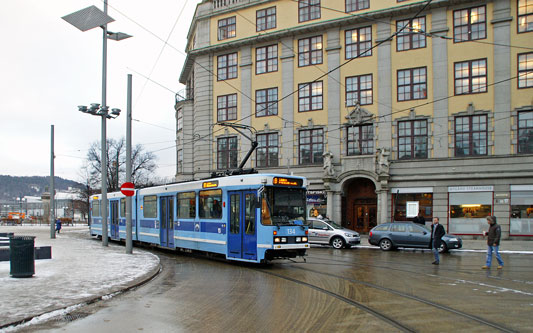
(327, 232)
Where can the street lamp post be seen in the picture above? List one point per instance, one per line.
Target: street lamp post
(86, 19)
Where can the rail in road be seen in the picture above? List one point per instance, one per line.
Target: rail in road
(382, 314)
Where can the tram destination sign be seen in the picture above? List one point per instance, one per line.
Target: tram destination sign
(287, 181)
(210, 184)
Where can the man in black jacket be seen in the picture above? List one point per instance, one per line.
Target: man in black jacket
(437, 231)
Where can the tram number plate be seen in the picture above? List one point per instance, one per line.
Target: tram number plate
(291, 231)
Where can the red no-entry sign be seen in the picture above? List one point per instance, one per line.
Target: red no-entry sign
(128, 189)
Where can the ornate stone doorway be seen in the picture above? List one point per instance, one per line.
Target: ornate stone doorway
(360, 205)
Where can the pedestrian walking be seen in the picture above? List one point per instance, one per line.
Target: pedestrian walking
(58, 226)
(437, 231)
(493, 242)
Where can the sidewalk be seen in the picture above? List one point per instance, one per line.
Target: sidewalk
(81, 270)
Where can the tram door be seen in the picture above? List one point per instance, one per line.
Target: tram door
(166, 205)
(114, 219)
(242, 236)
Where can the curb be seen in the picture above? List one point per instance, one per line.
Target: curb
(134, 284)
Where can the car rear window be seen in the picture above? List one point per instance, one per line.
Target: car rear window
(381, 228)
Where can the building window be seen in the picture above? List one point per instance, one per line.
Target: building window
(360, 140)
(525, 15)
(471, 135)
(400, 198)
(525, 132)
(311, 146)
(412, 139)
(227, 107)
(521, 210)
(471, 77)
(469, 211)
(180, 160)
(310, 51)
(469, 24)
(412, 84)
(410, 37)
(525, 70)
(355, 5)
(266, 102)
(265, 19)
(227, 153)
(226, 28)
(266, 59)
(267, 150)
(359, 89)
(179, 125)
(310, 96)
(227, 66)
(308, 10)
(358, 42)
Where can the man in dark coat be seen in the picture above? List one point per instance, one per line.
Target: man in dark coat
(419, 219)
(437, 231)
(493, 242)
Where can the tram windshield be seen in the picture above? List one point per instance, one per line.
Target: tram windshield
(286, 206)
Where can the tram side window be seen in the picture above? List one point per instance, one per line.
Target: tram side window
(150, 206)
(250, 214)
(186, 205)
(210, 204)
(123, 207)
(96, 208)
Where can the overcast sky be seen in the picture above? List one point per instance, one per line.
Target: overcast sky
(48, 68)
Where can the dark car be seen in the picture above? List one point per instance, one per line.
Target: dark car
(407, 234)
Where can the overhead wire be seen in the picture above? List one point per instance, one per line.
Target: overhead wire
(325, 73)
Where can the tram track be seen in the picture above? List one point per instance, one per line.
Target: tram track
(382, 266)
(351, 302)
(380, 314)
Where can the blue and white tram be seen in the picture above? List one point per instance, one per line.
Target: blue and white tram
(253, 217)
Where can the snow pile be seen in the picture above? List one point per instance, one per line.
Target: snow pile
(80, 269)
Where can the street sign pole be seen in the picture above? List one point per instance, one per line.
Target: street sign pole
(129, 241)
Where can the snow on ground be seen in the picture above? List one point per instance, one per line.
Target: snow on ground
(80, 269)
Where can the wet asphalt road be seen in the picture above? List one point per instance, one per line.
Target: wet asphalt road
(335, 290)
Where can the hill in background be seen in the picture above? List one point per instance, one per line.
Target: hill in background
(14, 187)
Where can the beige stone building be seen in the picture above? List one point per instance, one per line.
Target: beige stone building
(390, 108)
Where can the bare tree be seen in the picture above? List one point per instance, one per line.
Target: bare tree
(142, 164)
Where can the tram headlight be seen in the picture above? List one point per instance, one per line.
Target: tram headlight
(298, 239)
(276, 239)
(284, 239)
(304, 239)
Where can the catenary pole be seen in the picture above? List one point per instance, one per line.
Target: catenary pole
(104, 139)
(129, 242)
(52, 187)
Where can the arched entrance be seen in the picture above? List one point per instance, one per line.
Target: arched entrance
(360, 204)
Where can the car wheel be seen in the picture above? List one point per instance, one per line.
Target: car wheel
(385, 244)
(443, 248)
(337, 243)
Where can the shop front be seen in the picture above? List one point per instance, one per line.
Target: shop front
(409, 202)
(521, 210)
(468, 208)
